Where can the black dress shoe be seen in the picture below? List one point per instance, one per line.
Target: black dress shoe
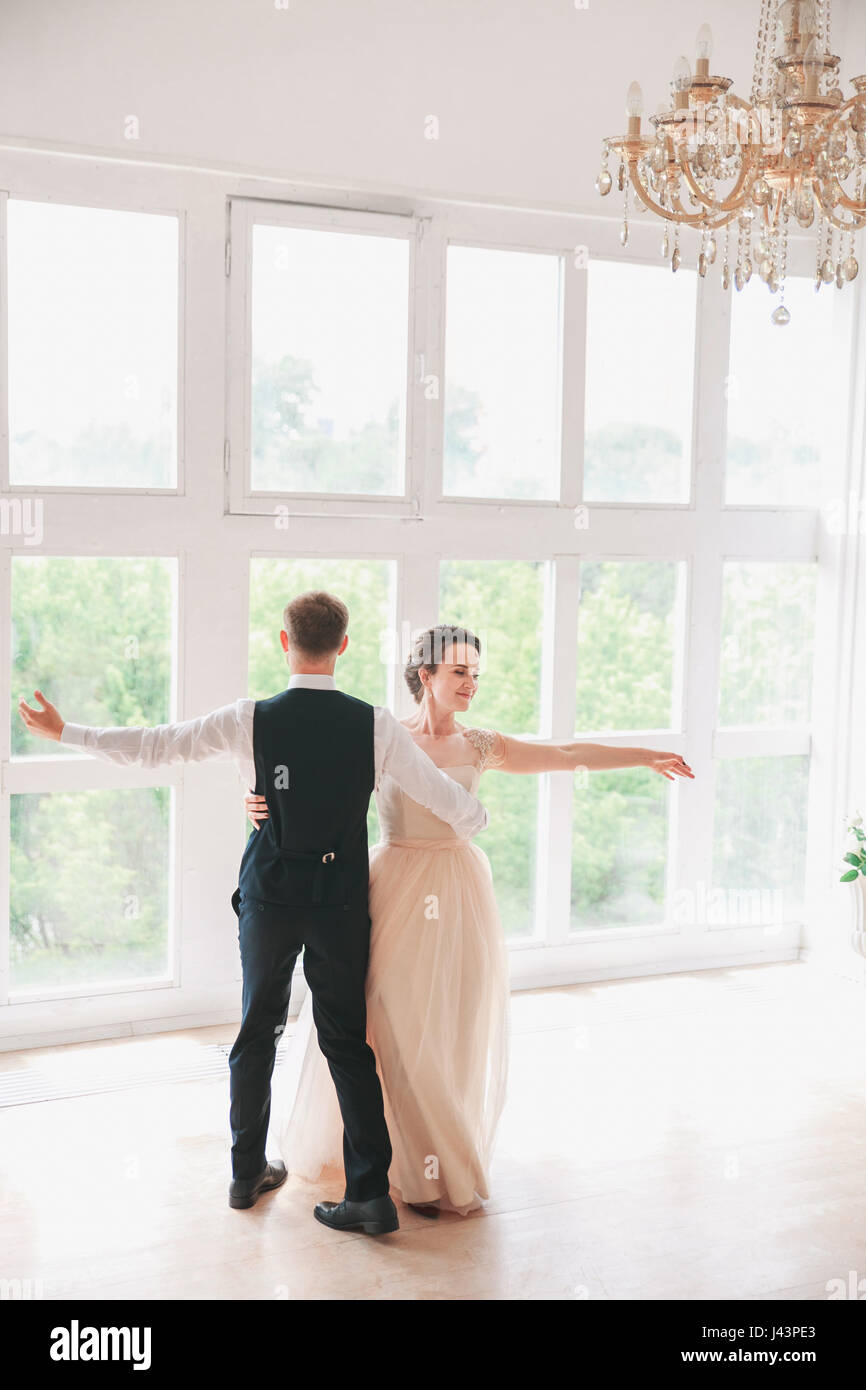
(425, 1209)
(245, 1192)
(377, 1217)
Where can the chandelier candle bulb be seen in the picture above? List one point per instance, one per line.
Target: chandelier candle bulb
(634, 108)
(813, 66)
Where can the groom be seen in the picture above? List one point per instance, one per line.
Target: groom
(316, 755)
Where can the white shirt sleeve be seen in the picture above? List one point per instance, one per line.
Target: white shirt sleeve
(224, 733)
(398, 754)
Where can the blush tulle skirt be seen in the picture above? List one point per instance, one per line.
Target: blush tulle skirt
(437, 1021)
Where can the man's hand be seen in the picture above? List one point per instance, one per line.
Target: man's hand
(44, 722)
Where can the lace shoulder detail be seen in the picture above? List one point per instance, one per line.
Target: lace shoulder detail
(489, 744)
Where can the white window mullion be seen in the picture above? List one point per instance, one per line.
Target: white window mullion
(417, 368)
(237, 387)
(692, 802)
(435, 261)
(559, 700)
(573, 375)
(417, 608)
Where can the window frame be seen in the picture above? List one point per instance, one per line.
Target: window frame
(243, 214)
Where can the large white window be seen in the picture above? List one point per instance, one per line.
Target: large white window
(444, 414)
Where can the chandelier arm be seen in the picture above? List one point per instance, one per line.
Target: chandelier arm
(692, 219)
(859, 209)
(830, 120)
(853, 226)
(731, 201)
(709, 203)
(700, 219)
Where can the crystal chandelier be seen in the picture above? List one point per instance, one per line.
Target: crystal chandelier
(796, 149)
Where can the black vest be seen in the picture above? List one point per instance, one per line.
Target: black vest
(315, 767)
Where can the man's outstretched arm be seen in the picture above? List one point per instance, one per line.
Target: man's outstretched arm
(419, 776)
(224, 733)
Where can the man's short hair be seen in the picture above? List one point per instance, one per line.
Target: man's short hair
(316, 623)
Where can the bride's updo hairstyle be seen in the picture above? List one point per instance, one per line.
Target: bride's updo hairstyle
(428, 650)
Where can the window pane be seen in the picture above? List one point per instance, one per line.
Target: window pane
(760, 838)
(783, 398)
(330, 316)
(619, 848)
(502, 354)
(768, 613)
(65, 609)
(367, 587)
(640, 349)
(626, 635)
(502, 602)
(90, 888)
(93, 328)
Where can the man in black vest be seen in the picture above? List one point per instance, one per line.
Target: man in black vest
(316, 755)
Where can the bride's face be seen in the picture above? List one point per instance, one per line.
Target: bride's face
(454, 682)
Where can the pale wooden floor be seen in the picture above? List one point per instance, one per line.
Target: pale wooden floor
(685, 1136)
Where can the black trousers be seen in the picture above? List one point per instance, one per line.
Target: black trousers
(336, 945)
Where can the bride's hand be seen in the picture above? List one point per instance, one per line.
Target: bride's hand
(669, 765)
(257, 808)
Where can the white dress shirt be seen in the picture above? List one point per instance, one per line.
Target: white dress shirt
(228, 733)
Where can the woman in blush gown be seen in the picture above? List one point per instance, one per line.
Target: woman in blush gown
(437, 979)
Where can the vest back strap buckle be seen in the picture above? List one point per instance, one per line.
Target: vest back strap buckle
(320, 859)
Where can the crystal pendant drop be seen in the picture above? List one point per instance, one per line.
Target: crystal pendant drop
(765, 268)
(792, 143)
(604, 182)
(711, 250)
(760, 192)
(739, 279)
(763, 246)
(850, 268)
(827, 271)
(747, 270)
(702, 264)
(840, 279)
(773, 283)
(818, 282)
(666, 246)
(780, 315)
(675, 259)
(623, 234)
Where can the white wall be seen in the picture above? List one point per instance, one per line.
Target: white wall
(524, 90)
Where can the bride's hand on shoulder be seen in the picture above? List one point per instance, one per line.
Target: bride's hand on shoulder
(256, 808)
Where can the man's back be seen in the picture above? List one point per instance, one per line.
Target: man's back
(315, 766)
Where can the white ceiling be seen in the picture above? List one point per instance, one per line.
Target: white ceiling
(524, 90)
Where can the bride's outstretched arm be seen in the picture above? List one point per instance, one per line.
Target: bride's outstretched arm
(520, 755)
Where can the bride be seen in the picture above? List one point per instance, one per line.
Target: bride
(437, 978)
